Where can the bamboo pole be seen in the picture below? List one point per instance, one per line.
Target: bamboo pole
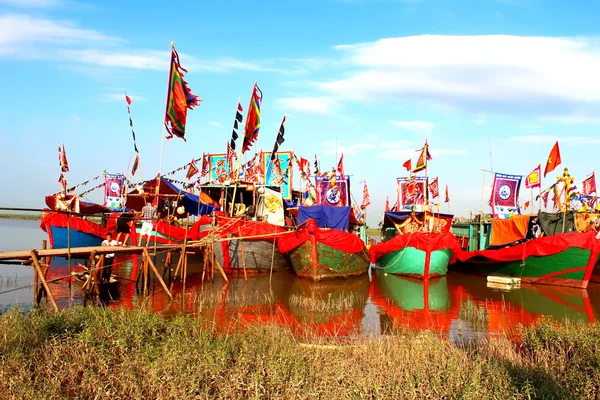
(187, 225)
(37, 266)
(160, 280)
(272, 261)
(145, 277)
(221, 270)
(69, 254)
(243, 255)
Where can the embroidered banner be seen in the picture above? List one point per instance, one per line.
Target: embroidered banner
(279, 172)
(505, 195)
(219, 168)
(332, 192)
(113, 191)
(412, 193)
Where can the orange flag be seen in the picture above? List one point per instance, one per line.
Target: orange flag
(407, 165)
(553, 159)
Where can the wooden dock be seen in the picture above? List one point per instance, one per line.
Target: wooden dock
(84, 252)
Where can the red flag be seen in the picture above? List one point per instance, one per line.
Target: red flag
(553, 159)
(205, 164)
(526, 206)
(408, 165)
(366, 198)
(533, 179)
(433, 188)
(340, 167)
(62, 157)
(252, 119)
(136, 164)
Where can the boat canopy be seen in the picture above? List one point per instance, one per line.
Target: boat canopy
(167, 190)
(326, 216)
(58, 202)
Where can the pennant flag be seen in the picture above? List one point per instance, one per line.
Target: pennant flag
(62, 181)
(433, 188)
(423, 158)
(136, 164)
(340, 166)
(533, 180)
(230, 157)
(128, 100)
(505, 195)
(252, 119)
(545, 198)
(205, 164)
(192, 170)
(553, 159)
(279, 140)
(238, 119)
(589, 185)
(408, 165)
(447, 195)
(526, 205)
(366, 201)
(304, 166)
(316, 165)
(179, 99)
(387, 204)
(62, 158)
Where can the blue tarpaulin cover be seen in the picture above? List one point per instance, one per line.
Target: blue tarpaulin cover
(326, 216)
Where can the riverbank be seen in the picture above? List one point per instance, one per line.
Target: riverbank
(27, 217)
(101, 353)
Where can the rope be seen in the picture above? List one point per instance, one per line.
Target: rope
(401, 255)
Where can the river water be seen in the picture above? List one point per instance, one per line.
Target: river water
(456, 305)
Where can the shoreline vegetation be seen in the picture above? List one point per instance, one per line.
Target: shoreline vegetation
(90, 352)
(28, 217)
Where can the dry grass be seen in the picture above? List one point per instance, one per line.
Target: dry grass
(99, 353)
(341, 302)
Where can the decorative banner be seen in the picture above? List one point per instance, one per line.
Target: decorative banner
(219, 168)
(412, 193)
(276, 172)
(434, 188)
(505, 195)
(113, 190)
(533, 180)
(589, 185)
(332, 192)
(270, 208)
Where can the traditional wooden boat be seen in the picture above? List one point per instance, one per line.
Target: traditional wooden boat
(319, 253)
(253, 245)
(567, 259)
(418, 245)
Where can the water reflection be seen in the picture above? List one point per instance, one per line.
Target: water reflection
(462, 307)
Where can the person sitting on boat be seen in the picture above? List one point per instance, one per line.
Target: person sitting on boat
(108, 258)
(124, 226)
(148, 214)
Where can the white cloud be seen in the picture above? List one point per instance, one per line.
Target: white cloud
(480, 121)
(415, 126)
(333, 147)
(215, 124)
(31, 3)
(309, 105)
(572, 119)
(491, 73)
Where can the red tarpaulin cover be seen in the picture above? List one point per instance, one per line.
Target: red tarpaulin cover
(245, 228)
(60, 220)
(544, 246)
(424, 241)
(339, 240)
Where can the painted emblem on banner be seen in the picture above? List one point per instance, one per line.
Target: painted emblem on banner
(505, 194)
(113, 191)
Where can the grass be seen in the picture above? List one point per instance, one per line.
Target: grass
(373, 232)
(101, 353)
(29, 217)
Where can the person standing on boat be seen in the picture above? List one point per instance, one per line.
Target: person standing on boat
(124, 226)
(148, 215)
(108, 259)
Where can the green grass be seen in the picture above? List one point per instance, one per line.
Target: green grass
(102, 353)
(30, 217)
(373, 232)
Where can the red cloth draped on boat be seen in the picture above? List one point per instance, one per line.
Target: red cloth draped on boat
(544, 246)
(339, 240)
(60, 220)
(424, 241)
(246, 228)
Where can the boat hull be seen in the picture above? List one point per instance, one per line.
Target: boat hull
(257, 255)
(59, 238)
(317, 261)
(571, 259)
(416, 263)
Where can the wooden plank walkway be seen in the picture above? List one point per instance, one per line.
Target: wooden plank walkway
(85, 251)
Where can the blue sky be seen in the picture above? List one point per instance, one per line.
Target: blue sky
(474, 77)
